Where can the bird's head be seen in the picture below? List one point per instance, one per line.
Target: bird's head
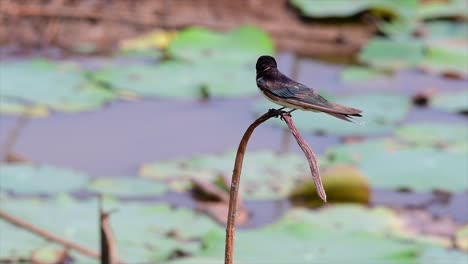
(265, 63)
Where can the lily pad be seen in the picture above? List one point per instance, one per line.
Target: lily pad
(451, 102)
(264, 174)
(60, 87)
(438, 255)
(27, 179)
(211, 63)
(152, 226)
(391, 55)
(447, 57)
(388, 165)
(381, 112)
(9, 106)
(128, 187)
(360, 74)
(242, 45)
(461, 238)
(433, 134)
(345, 8)
(439, 9)
(344, 184)
(340, 235)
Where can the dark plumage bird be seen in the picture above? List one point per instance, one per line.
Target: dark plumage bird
(281, 90)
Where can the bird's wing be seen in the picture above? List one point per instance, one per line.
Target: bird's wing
(307, 98)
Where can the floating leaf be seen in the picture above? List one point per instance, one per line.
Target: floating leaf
(446, 8)
(340, 235)
(264, 174)
(13, 107)
(152, 226)
(432, 134)
(41, 83)
(359, 74)
(242, 45)
(127, 187)
(345, 8)
(444, 30)
(451, 102)
(380, 113)
(392, 55)
(344, 184)
(212, 64)
(448, 58)
(438, 255)
(153, 40)
(388, 165)
(461, 238)
(27, 179)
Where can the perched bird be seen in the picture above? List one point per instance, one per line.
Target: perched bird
(281, 90)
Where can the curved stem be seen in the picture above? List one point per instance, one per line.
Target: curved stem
(229, 250)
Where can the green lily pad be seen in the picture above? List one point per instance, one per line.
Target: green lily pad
(264, 174)
(359, 74)
(439, 9)
(60, 87)
(344, 184)
(391, 55)
(451, 102)
(27, 179)
(432, 134)
(443, 30)
(242, 45)
(13, 107)
(438, 255)
(381, 112)
(461, 238)
(388, 165)
(212, 64)
(340, 235)
(127, 186)
(447, 57)
(152, 227)
(345, 8)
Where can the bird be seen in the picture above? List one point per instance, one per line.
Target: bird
(282, 90)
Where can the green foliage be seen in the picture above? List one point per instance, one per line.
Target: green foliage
(202, 61)
(127, 187)
(391, 55)
(360, 74)
(388, 165)
(451, 102)
(26, 179)
(345, 8)
(138, 228)
(343, 184)
(58, 86)
(433, 134)
(264, 174)
(334, 235)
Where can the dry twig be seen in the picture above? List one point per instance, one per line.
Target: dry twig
(230, 228)
(45, 234)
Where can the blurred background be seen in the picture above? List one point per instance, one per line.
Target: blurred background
(143, 103)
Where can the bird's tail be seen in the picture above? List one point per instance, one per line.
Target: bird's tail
(342, 112)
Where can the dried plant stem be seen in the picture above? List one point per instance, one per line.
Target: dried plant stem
(231, 221)
(230, 228)
(314, 169)
(40, 232)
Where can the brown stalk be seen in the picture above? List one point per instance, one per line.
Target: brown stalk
(51, 237)
(314, 169)
(230, 228)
